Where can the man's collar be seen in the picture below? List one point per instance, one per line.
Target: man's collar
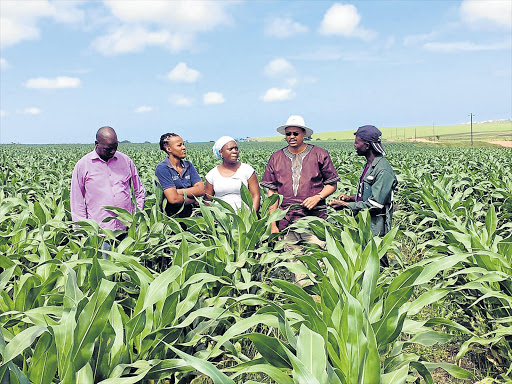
(376, 160)
(95, 156)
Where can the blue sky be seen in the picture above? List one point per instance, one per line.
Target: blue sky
(240, 68)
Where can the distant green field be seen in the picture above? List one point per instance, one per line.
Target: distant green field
(499, 130)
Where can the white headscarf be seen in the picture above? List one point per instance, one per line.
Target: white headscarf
(219, 144)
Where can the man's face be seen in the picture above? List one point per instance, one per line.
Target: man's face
(176, 147)
(106, 147)
(362, 147)
(294, 136)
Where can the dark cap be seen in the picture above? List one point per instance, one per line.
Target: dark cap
(372, 135)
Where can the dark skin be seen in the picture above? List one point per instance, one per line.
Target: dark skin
(106, 143)
(363, 148)
(175, 148)
(230, 164)
(296, 145)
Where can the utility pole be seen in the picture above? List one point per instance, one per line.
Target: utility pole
(471, 128)
(433, 134)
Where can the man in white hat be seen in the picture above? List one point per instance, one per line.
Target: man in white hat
(303, 174)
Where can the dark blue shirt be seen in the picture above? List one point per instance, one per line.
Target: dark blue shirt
(168, 177)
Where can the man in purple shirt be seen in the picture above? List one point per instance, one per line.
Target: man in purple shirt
(103, 178)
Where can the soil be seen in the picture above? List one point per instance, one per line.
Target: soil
(503, 143)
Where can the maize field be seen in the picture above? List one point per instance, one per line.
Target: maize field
(215, 303)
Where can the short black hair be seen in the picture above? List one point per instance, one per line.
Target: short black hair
(163, 139)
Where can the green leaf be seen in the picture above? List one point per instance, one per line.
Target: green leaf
(427, 298)
(158, 288)
(311, 352)
(491, 220)
(398, 376)
(43, 366)
(270, 349)
(85, 375)
(204, 366)
(301, 374)
(20, 342)
(91, 321)
(95, 274)
(452, 369)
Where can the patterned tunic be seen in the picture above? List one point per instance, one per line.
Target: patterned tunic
(297, 177)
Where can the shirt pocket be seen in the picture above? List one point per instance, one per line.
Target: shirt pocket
(368, 181)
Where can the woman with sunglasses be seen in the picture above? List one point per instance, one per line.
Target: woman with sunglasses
(225, 180)
(178, 177)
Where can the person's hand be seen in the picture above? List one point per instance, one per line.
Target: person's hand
(311, 202)
(273, 228)
(340, 202)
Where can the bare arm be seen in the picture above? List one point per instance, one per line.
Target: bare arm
(342, 201)
(176, 196)
(254, 189)
(208, 191)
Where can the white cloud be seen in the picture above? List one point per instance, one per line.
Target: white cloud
(213, 98)
(170, 24)
(30, 111)
(490, 11)
(3, 113)
(279, 67)
(278, 94)
(412, 40)
(179, 14)
(143, 109)
(181, 101)
(3, 63)
(19, 19)
(466, 46)
(56, 83)
(343, 20)
(126, 39)
(291, 82)
(284, 27)
(182, 73)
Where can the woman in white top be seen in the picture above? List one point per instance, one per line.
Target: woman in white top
(225, 180)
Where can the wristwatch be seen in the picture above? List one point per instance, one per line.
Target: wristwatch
(321, 197)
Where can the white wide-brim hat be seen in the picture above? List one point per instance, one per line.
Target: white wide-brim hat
(295, 121)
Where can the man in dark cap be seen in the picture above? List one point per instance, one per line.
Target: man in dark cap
(375, 190)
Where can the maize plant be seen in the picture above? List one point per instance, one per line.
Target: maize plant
(175, 305)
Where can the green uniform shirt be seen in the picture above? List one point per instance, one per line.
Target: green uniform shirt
(378, 185)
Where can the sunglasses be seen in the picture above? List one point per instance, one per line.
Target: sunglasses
(292, 133)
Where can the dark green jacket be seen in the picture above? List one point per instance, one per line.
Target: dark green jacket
(378, 185)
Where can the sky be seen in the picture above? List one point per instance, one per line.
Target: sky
(204, 69)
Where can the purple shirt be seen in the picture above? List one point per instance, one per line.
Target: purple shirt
(298, 177)
(96, 183)
(359, 195)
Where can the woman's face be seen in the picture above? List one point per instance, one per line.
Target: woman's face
(229, 152)
(176, 147)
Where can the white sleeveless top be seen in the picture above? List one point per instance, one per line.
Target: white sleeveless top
(228, 188)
